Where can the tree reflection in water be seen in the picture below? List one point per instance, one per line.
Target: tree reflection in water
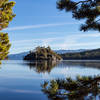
(82, 88)
(47, 66)
(43, 66)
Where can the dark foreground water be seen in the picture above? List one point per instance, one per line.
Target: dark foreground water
(21, 80)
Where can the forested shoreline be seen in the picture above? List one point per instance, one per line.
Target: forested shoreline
(86, 55)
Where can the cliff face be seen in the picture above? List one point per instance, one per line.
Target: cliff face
(42, 53)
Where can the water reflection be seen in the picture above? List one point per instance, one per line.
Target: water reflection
(42, 66)
(91, 64)
(48, 66)
(18, 82)
(83, 88)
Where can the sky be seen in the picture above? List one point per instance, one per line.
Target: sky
(40, 23)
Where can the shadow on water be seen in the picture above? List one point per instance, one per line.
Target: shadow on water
(82, 88)
(42, 66)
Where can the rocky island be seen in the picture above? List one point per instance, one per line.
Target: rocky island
(42, 53)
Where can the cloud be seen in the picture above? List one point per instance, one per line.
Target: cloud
(64, 42)
(87, 44)
(37, 26)
(73, 41)
(20, 91)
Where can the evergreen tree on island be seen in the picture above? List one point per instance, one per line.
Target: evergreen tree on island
(6, 15)
(42, 53)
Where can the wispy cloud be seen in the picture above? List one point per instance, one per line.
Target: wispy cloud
(72, 41)
(37, 26)
(20, 91)
(64, 42)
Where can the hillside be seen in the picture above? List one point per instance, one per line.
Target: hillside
(86, 55)
(43, 53)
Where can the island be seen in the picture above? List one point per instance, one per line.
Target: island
(42, 53)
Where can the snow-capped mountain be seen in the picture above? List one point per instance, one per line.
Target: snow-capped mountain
(69, 51)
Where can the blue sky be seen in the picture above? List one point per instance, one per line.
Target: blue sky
(39, 23)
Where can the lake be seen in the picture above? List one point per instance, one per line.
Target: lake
(20, 80)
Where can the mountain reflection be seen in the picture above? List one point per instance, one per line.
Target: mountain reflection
(42, 66)
(82, 88)
(91, 64)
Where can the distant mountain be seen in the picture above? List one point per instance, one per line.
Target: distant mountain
(70, 51)
(20, 56)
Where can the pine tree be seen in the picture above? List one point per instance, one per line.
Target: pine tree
(4, 45)
(89, 10)
(6, 15)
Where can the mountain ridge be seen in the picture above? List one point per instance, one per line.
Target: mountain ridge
(93, 54)
(20, 56)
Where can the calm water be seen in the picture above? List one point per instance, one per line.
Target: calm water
(21, 80)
